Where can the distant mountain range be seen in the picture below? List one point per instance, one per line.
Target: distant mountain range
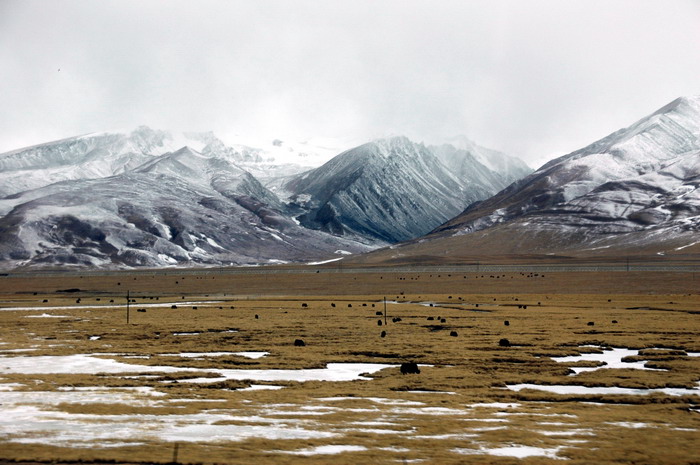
(635, 191)
(154, 198)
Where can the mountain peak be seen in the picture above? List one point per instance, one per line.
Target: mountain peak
(683, 103)
(395, 142)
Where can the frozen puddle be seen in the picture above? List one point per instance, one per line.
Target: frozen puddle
(578, 390)
(610, 358)
(92, 364)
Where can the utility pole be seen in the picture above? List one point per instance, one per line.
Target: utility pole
(128, 300)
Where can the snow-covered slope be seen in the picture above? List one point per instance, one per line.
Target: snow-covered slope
(85, 157)
(390, 189)
(642, 180)
(105, 154)
(508, 167)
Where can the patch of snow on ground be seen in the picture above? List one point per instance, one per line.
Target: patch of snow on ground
(32, 425)
(261, 387)
(325, 261)
(92, 364)
(611, 357)
(79, 363)
(495, 405)
(332, 372)
(632, 425)
(323, 450)
(514, 450)
(108, 306)
(579, 390)
(47, 315)
(217, 354)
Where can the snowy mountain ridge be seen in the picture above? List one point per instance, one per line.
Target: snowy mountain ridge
(155, 198)
(390, 189)
(640, 182)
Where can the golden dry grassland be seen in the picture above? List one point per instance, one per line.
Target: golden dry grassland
(457, 410)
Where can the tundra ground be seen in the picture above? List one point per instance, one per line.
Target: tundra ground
(79, 383)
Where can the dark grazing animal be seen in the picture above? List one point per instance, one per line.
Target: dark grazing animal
(409, 368)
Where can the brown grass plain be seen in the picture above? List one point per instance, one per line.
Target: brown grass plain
(436, 416)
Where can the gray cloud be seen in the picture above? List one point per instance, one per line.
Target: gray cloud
(533, 78)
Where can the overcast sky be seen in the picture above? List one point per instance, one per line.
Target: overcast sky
(536, 79)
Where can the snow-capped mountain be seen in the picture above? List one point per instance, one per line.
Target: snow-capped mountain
(156, 198)
(105, 154)
(182, 208)
(391, 189)
(634, 190)
(271, 160)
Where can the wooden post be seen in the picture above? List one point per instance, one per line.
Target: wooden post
(128, 300)
(384, 310)
(175, 451)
